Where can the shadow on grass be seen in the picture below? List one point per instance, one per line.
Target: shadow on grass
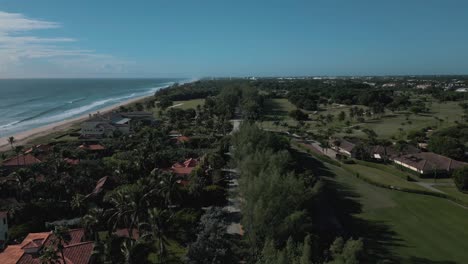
(336, 205)
(416, 260)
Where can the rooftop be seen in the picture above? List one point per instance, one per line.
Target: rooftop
(429, 161)
(21, 160)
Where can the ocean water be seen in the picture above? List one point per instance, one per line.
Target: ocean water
(31, 103)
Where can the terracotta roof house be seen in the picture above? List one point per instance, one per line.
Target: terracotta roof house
(185, 168)
(182, 139)
(75, 251)
(92, 147)
(428, 162)
(21, 161)
(72, 161)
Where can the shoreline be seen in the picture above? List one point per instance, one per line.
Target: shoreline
(25, 137)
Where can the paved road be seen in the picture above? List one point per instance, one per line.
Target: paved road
(234, 202)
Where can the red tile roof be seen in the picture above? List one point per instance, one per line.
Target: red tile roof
(92, 147)
(72, 161)
(182, 139)
(185, 168)
(21, 160)
(75, 251)
(12, 254)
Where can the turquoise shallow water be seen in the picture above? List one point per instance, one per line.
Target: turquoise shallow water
(31, 103)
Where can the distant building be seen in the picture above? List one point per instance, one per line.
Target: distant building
(426, 163)
(100, 126)
(462, 90)
(388, 85)
(424, 86)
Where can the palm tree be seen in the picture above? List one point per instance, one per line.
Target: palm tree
(11, 141)
(18, 150)
(156, 229)
(168, 188)
(49, 256)
(91, 221)
(61, 237)
(78, 202)
(134, 251)
(129, 203)
(385, 144)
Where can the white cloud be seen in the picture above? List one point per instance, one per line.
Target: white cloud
(20, 51)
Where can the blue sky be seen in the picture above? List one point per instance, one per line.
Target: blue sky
(89, 38)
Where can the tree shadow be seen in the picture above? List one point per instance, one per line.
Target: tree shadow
(416, 260)
(336, 206)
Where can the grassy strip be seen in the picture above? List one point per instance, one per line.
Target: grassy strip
(404, 189)
(388, 169)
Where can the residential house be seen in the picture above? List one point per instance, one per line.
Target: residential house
(344, 147)
(76, 250)
(3, 228)
(100, 126)
(92, 147)
(426, 163)
(184, 169)
(181, 139)
(380, 152)
(23, 160)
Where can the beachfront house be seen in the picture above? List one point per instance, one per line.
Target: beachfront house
(428, 163)
(105, 125)
(100, 126)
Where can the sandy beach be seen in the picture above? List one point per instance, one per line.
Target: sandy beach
(23, 138)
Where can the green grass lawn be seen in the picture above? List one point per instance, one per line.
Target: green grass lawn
(454, 192)
(181, 105)
(189, 103)
(425, 229)
(383, 177)
(390, 125)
